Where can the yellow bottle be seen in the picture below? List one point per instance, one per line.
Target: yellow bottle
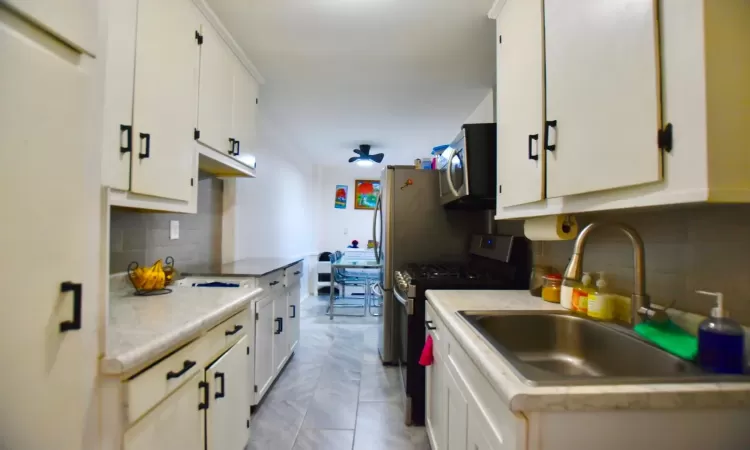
(580, 294)
(600, 303)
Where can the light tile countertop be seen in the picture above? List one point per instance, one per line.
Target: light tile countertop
(142, 329)
(520, 396)
(248, 267)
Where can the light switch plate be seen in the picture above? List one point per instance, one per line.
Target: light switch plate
(174, 229)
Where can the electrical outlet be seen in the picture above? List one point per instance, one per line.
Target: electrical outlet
(174, 229)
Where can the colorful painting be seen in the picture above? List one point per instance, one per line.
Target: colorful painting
(366, 193)
(342, 192)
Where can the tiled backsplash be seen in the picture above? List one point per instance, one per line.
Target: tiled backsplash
(698, 247)
(144, 236)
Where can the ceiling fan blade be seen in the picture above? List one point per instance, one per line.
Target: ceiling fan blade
(354, 158)
(377, 158)
(365, 148)
(358, 151)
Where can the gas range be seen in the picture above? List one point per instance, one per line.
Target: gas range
(435, 276)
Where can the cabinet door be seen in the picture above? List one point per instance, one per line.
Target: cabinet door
(481, 436)
(264, 337)
(175, 424)
(520, 103)
(215, 97)
(228, 415)
(457, 409)
(72, 21)
(165, 104)
(244, 107)
(602, 80)
(49, 166)
(117, 134)
(280, 346)
(293, 328)
(435, 401)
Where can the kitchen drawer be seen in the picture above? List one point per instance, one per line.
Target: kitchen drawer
(148, 388)
(293, 274)
(272, 281)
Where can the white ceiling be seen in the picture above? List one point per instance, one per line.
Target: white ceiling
(399, 74)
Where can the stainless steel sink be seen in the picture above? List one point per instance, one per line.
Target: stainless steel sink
(557, 348)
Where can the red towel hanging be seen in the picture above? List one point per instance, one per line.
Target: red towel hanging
(426, 359)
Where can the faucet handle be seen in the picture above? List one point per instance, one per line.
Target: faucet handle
(653, 313)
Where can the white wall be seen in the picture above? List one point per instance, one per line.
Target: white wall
(272, 215)
(336, 228)
(485, 112)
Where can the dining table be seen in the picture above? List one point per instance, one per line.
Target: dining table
(349, 261)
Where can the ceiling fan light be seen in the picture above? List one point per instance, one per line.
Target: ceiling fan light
(364, 162)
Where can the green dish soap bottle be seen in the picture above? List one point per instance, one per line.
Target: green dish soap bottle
(721, 340)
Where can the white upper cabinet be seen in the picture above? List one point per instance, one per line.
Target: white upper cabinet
(51, 223)
(72, 21)
(165, 102)
(520, 83)
(603, 98)
(216, 93)
(244, 109)
(117, 134)
(615, 76)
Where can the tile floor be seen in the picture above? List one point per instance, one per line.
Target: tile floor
(335, 394)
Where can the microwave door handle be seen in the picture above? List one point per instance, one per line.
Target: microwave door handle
(448, 175)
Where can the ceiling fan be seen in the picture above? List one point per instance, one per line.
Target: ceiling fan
(365, 158)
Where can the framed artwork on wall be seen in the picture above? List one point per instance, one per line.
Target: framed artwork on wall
(366, 193)
(342, 191)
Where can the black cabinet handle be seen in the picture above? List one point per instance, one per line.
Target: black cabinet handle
(273, 283)
(147, 137)
(279, 325)
(532, 138)
(429, 325)
(297, 272)
(220, 376)
(203, 385)
(294, 311)
(236, 330)
(549, 124)
(187, 365)
(128, 130)
(237, 151)
(231, 146)
(77, 289)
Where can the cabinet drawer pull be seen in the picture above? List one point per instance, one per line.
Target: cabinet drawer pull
(231, 146)
(429, 325)
(237, 151)
(550, 124)
(128, 130)
(220, 376)
(187, 365)
(279, 325)
(147, 137)
(75, 324)
(294, 311)
(203, 385)
(532, 138)
(273, 283)
(236, 330)
(297, 272)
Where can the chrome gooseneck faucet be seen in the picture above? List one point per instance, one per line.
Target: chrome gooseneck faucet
(640, 305)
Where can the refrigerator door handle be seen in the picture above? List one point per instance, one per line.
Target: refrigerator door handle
(374, 230)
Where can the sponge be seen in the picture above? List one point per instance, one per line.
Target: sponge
(669, 337)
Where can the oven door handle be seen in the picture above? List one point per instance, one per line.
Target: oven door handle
(407, 302)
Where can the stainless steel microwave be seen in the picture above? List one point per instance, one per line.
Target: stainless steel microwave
(468, 171)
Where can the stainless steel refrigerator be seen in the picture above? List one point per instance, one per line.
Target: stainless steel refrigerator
(411, 226)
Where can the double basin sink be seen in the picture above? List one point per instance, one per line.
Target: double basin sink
(555, 348)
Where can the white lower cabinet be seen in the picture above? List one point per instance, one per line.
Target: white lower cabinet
(457, 409)
(434, 407)
(265, 325)
(176, 423)
(228, 414)
(280, 347)
(293, 296)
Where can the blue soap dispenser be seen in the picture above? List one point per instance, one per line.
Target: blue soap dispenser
(721, 340)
